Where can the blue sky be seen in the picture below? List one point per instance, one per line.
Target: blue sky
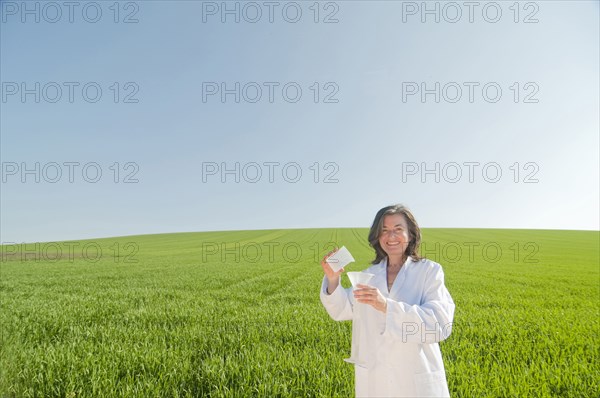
(542, 131)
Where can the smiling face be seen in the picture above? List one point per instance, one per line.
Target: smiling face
(394, 237)
(395, 234)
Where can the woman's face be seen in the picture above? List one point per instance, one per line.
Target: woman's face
(394, 237)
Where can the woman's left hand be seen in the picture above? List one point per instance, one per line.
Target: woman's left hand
(370, 295)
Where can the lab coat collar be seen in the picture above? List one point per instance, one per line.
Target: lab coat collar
(381, 277)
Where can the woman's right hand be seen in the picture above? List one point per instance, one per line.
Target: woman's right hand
(333, 277)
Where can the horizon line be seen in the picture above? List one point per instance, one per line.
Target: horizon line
(3, 243)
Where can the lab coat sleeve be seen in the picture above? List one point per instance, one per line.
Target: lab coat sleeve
(338, 304)
(429, 322)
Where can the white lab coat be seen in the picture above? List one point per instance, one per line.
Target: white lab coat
(397, 354)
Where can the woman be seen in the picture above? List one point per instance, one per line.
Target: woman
(399, 318)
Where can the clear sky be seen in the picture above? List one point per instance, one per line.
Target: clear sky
(348, 101)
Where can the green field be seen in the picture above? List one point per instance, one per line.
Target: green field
(238, 314)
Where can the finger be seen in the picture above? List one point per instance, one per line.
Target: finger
(326, 268)
(328, 255)
(362, 294)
